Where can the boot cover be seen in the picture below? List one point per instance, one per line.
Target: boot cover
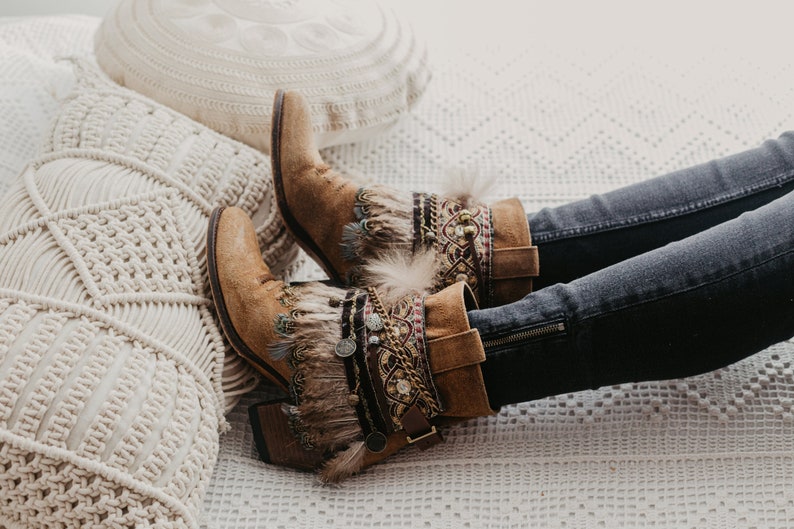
(344, 226)
(369, 379)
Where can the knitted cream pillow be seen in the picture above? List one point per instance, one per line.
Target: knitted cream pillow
(220, 62)
(113, 373)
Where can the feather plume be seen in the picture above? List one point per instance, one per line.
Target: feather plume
(468, 185)
(344, 464)
(322, 416)
(398, 274)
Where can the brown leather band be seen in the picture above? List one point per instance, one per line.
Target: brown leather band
(419, 430)
(510, 263)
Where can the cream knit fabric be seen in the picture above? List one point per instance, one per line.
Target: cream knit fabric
(220, 61)
(114, 377)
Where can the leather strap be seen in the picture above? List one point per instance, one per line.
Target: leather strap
(456, 351)
(509, 263)
(420, 432)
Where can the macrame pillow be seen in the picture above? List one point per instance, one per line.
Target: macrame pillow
(220, 62)
(114, 377)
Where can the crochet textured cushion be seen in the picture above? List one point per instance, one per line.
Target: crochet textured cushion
(114, 377)
(220, 61)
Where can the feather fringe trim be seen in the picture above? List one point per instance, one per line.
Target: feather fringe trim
(322, 416)
(384, 223)
(341, 464)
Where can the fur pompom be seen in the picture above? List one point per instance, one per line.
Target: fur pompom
(396, 275)
(468, 185)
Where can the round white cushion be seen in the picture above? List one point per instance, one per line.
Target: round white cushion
(220, 62)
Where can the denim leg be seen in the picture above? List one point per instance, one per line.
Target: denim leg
(579, 238)
(686, 308)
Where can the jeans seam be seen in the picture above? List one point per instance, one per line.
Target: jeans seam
(662, 214)
(689, 289)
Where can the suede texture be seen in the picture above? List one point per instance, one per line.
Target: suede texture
(455, 352)
(512, 270)
(315, 201)
(248, 303)
(249, 292)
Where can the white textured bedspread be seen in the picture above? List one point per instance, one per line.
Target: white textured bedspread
(558, 102)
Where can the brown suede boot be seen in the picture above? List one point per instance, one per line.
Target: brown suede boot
(252, 306)
(370, 379)
(369, 371)
(345, 227)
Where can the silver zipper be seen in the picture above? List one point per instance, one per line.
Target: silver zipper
(537, 332)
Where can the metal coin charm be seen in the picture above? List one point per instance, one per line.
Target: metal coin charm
(345, 347)
(376, 442)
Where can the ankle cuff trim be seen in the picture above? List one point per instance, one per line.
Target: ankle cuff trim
(510, 263)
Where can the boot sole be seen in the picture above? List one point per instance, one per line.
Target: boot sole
(236, 342)
(293, 226)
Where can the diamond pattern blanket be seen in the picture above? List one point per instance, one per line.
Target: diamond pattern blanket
(557, 103)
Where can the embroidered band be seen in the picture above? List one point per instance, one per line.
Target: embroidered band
(463, 237)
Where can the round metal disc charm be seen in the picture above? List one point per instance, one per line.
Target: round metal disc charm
(403, 387)
(374, 322)
(345, 347)
(376, 442)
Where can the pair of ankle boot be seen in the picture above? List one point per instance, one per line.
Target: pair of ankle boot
(383, 356)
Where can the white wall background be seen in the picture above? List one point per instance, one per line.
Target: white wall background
(53, 7)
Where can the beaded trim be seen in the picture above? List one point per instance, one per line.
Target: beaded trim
(359, 378)
(462, 237)
(458, 231)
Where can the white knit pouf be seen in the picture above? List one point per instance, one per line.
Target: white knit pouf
(114, 377)
(220, 61)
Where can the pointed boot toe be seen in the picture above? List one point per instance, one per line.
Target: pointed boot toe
(249, 301)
